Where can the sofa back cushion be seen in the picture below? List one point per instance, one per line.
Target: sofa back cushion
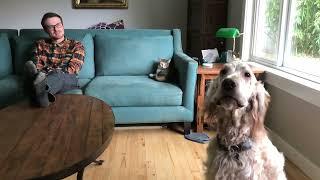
(74, 33)
(78, 34)
(124, 54)
(5, 56)
(23, 53)
(87, 71)
(11, 33)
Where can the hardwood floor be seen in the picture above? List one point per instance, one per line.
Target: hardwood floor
(156, 153)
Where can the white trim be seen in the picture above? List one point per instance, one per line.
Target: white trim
(289, 31)
(308, 167)
(283, 29)
(247, 19)
(304, 89)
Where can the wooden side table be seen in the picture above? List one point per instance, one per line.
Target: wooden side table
(205, 74)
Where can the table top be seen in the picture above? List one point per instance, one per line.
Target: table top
(215, 70)
(53, 142)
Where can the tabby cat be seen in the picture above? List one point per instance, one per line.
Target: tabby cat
(162, 70)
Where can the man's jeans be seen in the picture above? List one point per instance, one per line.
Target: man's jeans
(55, 82)
(59, 82)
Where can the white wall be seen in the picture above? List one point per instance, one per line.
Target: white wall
(162, 14)
(296, 121)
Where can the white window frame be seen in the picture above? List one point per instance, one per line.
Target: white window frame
(248, 39)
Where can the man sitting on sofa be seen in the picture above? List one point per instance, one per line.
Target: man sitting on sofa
(55, 63)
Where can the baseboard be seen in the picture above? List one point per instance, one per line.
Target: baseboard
(308, 167)
(137, 127)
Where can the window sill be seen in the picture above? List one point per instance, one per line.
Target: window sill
(305, 89)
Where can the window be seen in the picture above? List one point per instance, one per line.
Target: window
(284, 34)
(267, 30)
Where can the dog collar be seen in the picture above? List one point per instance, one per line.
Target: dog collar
(246, 145)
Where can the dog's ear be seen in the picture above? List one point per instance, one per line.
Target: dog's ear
(263, 99)
(259, 102)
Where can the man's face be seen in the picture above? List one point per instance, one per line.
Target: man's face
(54, 28)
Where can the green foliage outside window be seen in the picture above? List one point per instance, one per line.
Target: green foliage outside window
(307, 28)
(306, 32)
(273, 19)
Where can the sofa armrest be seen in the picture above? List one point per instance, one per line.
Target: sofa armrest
(187, 75)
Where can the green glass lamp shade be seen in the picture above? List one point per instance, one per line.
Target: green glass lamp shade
(228, 33)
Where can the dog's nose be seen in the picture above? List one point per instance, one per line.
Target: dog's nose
(228, 84)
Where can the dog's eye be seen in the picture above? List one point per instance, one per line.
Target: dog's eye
(223, 72)
(246, 74)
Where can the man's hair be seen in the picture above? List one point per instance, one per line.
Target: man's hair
(47, 16)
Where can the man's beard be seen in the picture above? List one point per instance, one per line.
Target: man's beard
(57, 36)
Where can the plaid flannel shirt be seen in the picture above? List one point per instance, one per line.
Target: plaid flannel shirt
(67, 56)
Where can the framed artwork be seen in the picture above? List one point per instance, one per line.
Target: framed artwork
(100, 4)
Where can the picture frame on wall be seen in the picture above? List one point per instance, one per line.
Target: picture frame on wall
(100, 4)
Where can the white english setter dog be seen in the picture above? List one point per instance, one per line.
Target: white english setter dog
(237, 102)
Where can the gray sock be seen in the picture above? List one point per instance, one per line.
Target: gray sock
(30, 68)
(39, 78)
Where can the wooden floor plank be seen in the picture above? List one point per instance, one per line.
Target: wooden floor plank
(120, 159)
(137, 156)
(150, 156)
(164, 164)
(178, 156)
(157, 154)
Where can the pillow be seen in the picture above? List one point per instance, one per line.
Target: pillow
(102, 25)
(5, 56)
(87, 70)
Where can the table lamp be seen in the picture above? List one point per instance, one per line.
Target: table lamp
(228, 33)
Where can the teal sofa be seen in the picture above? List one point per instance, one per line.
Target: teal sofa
(116, 69)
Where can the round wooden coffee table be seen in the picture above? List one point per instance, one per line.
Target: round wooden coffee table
(53, 142)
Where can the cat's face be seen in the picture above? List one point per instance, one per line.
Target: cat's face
(164, 63)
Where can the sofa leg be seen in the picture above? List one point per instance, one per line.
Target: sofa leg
(187, 127)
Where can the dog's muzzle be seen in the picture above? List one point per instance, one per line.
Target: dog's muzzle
(230, 94)
(228, 85)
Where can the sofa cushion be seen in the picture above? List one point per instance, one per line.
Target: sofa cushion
(73, 33)
(83, 83)
(11, 33)
(87, 70)
(11, 90)
(23, 53)
(5, 56)
(134, 91)
(130, 55)
(152, 114)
